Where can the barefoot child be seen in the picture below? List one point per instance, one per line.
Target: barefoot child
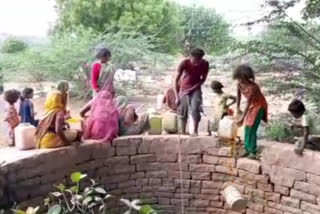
(26, 107)
(220, 105)
(310, 122)
(11, 117)
(255, 110)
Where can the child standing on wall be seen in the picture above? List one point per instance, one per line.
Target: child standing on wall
(26, 107)
(310, 122)
(220, 105)
(256, 108)
(11, 117)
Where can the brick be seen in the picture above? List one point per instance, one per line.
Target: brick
(209, 159)
(143, 158)
(116, 161)
(195, 146)
(195, 184)
(291, 202)
(178, 202)
(149, 167)
(212, 185)
(166, 158)
(130, 150)
(226, 170)
(176, 174)
(303, 196)
(167, 182)
(251, 176)
(285, 176)
(127, 141)
(157, 174)
(144, 147)
(313, 178)
(281, 189)
(307, 188)
(269, 210)
(121, 170)
(227, 161)
(220, 177)
(216, 204)
(191, 159)
(252, 166)
(270, 196)
(311, 208)
(165, 194)
(247, 183)
(284, 208)
(200, 203)
(115, 179)
(127, 184)
(185, 195)
(202, 168)
(265, 187)
(138, 175)
(252, 212)
(164, 144)
(185, 183)
(155, 181)
(174, 166)
(210, 191)
(164, 201)
(221, 152)
(216, 211)
(254, 192)
(201, 175)
(255, 207)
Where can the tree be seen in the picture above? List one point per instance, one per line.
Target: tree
(148, 17)
(13, 45)
(203, 27)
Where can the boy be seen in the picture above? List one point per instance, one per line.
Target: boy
(192, 72)
(310, 122)
(220, 105)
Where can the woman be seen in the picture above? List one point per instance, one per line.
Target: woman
(51, 129)
(129, 124)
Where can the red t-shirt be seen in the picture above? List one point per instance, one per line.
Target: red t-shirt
(193, 75)
(95, 73)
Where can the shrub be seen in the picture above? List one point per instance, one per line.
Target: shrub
(277, 130)
(12, 45)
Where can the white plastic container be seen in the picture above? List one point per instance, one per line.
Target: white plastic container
(234, 198)
(227, 128)
(24, 136)
(155, 121)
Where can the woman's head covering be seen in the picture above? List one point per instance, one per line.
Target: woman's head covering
(121, 102)
(54, 102)
(63, 86)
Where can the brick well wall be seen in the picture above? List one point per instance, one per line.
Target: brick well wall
(148, 168)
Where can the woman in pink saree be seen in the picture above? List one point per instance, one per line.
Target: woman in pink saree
(102, 123)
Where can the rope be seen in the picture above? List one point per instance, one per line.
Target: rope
(180, 166)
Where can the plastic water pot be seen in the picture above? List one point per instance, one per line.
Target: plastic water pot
(24, 136)
(234, 198)
(170, 122)
(155, 121)
(227, 128)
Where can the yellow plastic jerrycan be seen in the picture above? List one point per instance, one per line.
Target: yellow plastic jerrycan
(170, 122)
(155, 121)
(227, 128)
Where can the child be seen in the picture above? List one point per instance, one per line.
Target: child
(310, 122)
(255, 110)
(26, 107)
(11, 115)
(99, 75)
(220, 105)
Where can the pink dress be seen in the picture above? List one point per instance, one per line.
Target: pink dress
(11, 120)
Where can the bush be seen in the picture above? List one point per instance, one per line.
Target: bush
(13, 45)
(277, 130)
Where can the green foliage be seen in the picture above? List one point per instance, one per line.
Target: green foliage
(12, 45)
(203, 27)
(148, 17)
(277, 130)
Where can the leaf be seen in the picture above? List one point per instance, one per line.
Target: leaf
(146, 209)
(96, 198)
(93, 181)
(56, 209)
(61, 187)
(46, 201)
(100, 190)
(87, 200)
(56, 194)
(19, 212)
(76, 177)
(107, 196)
(73, 189)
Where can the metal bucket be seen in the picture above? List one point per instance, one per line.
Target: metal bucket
(234, 198)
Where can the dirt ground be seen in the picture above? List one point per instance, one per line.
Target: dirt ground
(277, 103)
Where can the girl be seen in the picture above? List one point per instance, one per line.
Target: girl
(26, 107)
(11, 115)
(255, 110)
(99, 73)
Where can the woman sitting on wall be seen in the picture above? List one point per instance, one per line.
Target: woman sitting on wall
(51, 131)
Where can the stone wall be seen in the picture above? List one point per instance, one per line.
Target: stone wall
(148, 168)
